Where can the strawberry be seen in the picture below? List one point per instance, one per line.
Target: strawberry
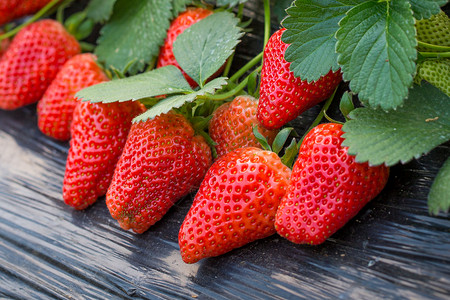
(433, 31)
(436, 72)
(235, 205)
(12, 9)
(99, 133)
(55, 109)
(32, 61)
(163, 160)
(232, 123)
(327, 188)
(283, 96)
(179, 24)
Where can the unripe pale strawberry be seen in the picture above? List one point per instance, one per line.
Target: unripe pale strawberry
(434, 30)
(436, 72)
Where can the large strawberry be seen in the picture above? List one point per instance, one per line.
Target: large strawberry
(283, 96)
(99, 133)
(12, 9)
(163, 160)
(231, 126)
(179, 24)
(235, 205)
(327, 188)
(55, 109)
(32, 61)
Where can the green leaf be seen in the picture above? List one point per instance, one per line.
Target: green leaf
(253, 84)
(179, 6)
(261, 138)
(205, 46)
(310, 30)
(424, 9)
(161, 81)
(167, 104)
(346, 104)
(281, 139)
(378, 136)
(229, 3)
(290, 153)
(376, 46)
(439, 196)
(135, 31)
(100, 11)
(279, 8)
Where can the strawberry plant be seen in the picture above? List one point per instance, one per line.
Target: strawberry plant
(176, 60)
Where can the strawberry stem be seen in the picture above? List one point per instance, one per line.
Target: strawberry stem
(231, 93)
(319, 117)
(35, 17)
(432, 46)
(435, 54)
(246, 67)
(266, 22)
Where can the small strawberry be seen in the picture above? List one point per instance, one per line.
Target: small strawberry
(32, 61)
(163, 160)
(436, 72)
(183, 21)
(99, 132)
(327, 188)
(55, 109)
(434, 30)
(283, 97)
(235, 205)
(12, 9)
(231, 126)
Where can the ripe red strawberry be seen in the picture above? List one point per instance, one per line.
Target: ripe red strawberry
(12, 9)
(283, 97)
(99, 133)
(235, 205)
(231, 126)
(184, 20)
(163, 160)
(32, 61)
(327, 188)
(55, 109)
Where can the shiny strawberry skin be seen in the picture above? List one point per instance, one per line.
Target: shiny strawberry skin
(12, 9)
(99, 132)
(162, 162)
(32, 61)
(327, 188)
(55, 109)
(283, 96)
(179, 24)
(231, 126)
(235, 205)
